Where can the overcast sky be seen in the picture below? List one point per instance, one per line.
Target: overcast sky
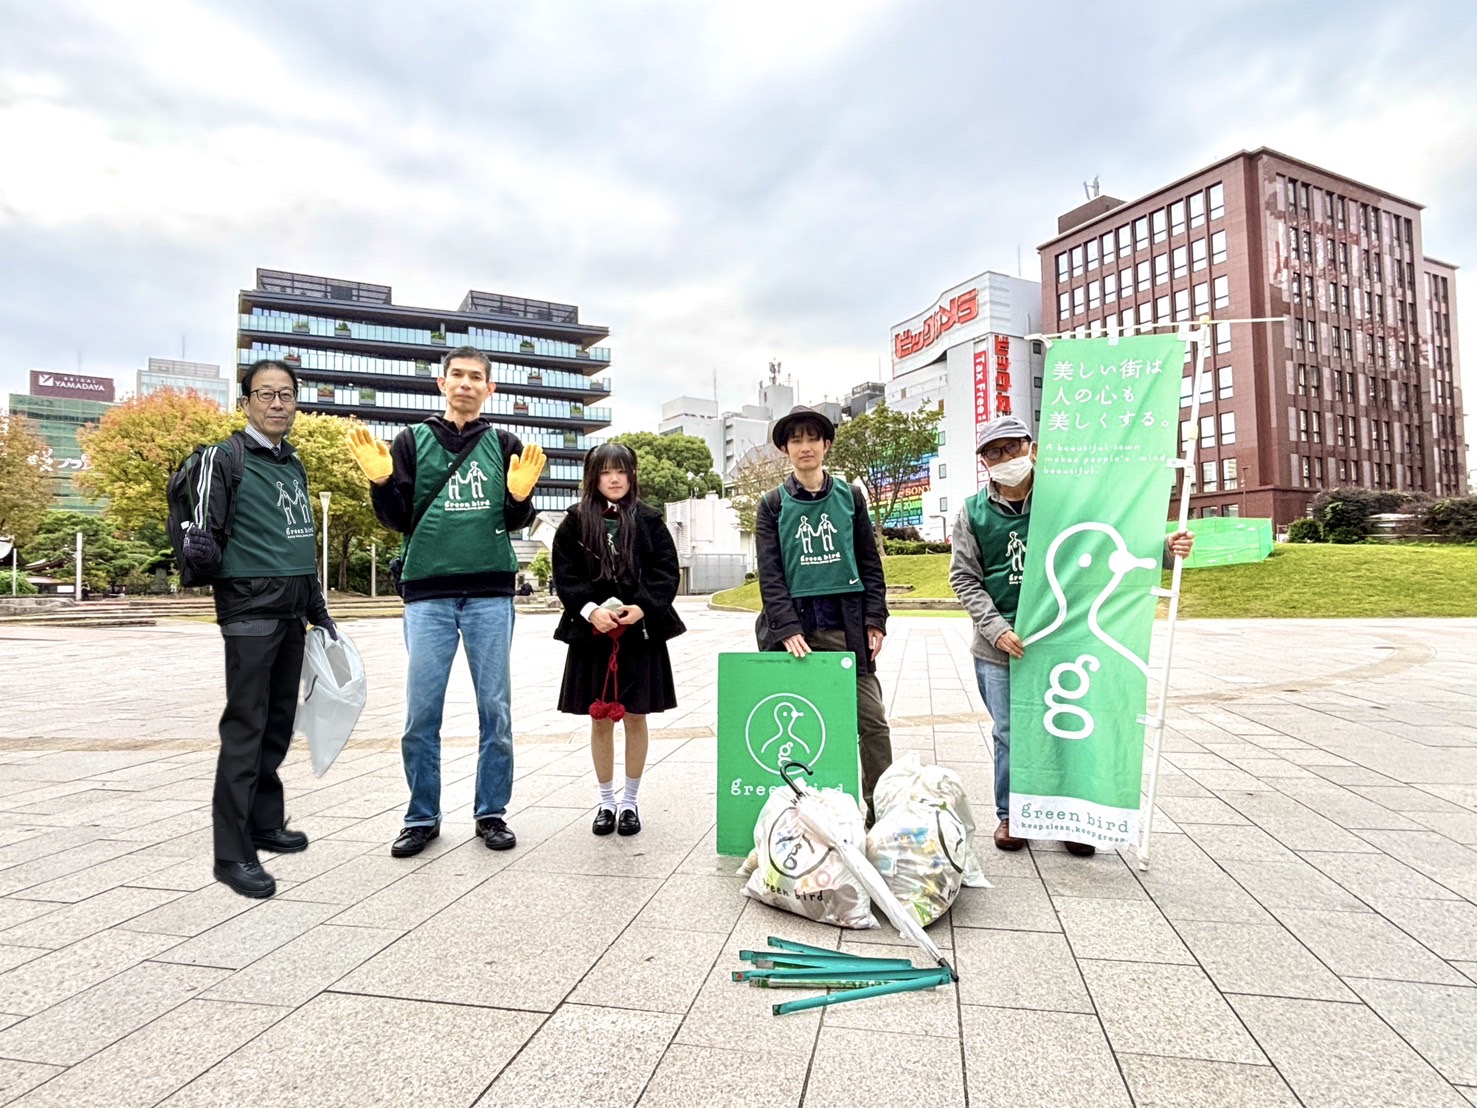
(720, 184)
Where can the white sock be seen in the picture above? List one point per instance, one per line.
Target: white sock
(628, 798)
(607, 794)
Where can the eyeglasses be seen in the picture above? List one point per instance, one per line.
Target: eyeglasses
(266, 396)
(1007, 449)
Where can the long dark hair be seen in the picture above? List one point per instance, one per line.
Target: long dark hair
(609, 560)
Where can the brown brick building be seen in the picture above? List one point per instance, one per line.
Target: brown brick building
(1360, 385)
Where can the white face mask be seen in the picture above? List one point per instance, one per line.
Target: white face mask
(1013, 472)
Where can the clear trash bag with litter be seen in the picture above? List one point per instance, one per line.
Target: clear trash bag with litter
(924, 837)
(334, 692)
(793, 868)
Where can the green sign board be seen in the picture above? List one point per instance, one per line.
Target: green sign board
(1109, 417)
(774, 708)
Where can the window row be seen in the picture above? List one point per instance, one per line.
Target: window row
(545, 437)
(1207, 429)
(1213, 384)
(263, 319)
(367, 365)
(1157, 226)
(1187, 303)
(1306, 201)
(311, 392)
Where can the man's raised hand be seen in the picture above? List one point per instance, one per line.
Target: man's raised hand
(372, 455)
(524, 471)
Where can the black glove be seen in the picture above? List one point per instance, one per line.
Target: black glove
(201, 549)
(325, 621)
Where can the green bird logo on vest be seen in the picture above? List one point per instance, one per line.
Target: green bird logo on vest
(468, 484)
(297, 508)
(1015, 550)
(824, 530)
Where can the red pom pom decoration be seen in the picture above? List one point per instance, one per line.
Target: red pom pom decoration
(615, 712)
(599, 709)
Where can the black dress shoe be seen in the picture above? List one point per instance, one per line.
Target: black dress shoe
(413, 840)
(629, 822)
(604, 821)
(496, 834)
(279, 840)
(246, 878)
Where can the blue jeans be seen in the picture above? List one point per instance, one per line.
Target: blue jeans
(432, 629)
(994, 682)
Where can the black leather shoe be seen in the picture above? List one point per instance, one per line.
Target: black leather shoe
(496, 834)
(629, 822)
(413, 840)
(279, 840)
(1082, 850)
(604, 821)
(246, 878)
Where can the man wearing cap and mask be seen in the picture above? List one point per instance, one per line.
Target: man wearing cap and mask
(820, 576)
(985, 570)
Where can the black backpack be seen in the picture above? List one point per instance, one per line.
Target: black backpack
(183, 496)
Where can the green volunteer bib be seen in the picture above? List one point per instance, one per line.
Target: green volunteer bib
(815, 539)
(463, 531)
(273, 534)
(1002, 542)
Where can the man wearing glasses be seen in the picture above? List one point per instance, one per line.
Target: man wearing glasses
(985, 570)
(252, 532)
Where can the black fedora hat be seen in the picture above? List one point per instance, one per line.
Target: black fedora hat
(780, 434)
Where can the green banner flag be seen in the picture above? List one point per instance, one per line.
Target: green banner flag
(1108, 418)
(774, 708)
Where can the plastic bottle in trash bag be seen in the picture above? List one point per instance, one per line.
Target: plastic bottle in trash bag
(923, 840)
(791, 869)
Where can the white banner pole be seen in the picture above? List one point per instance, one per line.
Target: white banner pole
(1203, 343)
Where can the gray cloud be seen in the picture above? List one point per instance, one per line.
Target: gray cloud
(716, 188)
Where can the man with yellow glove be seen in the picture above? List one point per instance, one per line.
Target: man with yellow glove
(455, 487)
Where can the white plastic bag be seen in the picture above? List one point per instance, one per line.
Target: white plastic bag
(923, 840)
(790, 869)
(334, 692)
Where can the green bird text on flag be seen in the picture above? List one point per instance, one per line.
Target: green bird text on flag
(1103, 477)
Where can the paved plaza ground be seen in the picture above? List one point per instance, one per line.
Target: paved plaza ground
(1307, 932)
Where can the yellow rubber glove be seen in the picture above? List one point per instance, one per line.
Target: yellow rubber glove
(372, 455)
(524, 470)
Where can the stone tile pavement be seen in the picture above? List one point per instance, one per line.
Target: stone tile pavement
(1307, 932)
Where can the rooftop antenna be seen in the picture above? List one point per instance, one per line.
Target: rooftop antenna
(1092, 191)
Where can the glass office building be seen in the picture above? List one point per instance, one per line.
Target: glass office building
(56, 420)
(171, 375)
(359, 354)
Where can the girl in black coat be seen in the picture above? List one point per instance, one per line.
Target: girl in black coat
(611, 546)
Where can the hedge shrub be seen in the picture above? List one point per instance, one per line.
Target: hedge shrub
(1305, 530)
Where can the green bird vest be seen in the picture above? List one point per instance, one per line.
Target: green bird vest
(463, 531)
(273, 533)
(1002, 541)
(815, 539)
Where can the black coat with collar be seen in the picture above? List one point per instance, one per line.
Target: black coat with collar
(651, 584)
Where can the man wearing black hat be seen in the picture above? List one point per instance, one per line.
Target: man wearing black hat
(820, 576)
(985, 570)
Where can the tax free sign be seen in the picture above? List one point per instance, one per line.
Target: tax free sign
(1103, 478)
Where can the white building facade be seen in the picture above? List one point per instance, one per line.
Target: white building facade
(729, 434)
(968, 354)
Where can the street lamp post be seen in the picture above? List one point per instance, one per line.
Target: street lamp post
(77, 593)
(324, 496)
(373, 570)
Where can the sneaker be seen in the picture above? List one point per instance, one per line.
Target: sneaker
(413, 840)
(496, 833)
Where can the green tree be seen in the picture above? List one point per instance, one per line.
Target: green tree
(107, 558)
(758, 471)
(352, 526)
(884, 449)
(671, 467)
(139, 443)
(25, 487)
(542, 567)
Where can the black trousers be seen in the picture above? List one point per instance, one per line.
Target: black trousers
(264, 666)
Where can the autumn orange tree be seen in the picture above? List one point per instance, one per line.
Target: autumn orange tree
(25, 485)
(138, 444)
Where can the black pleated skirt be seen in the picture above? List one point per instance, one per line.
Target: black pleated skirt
(644, 677)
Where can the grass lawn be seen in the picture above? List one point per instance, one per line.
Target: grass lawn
(1370, 581)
